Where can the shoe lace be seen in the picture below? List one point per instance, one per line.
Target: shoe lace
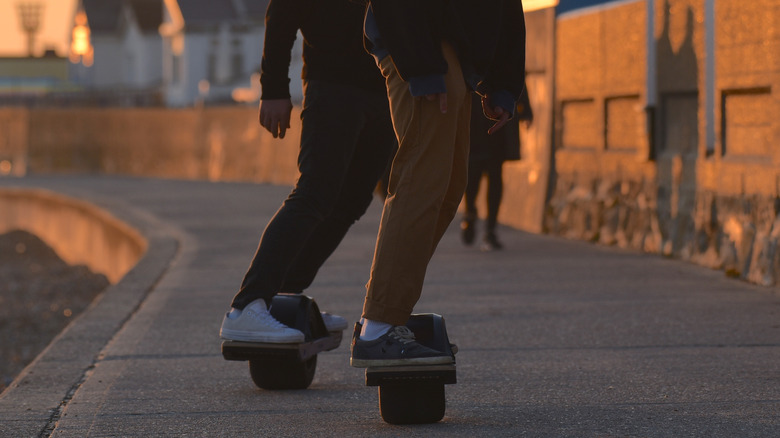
(267, 319)
(402, 334)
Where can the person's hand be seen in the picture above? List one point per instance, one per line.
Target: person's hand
(275, 116)
(495, 113)
(442, 97)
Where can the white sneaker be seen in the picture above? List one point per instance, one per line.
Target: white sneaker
(255, 324)
(334, 323)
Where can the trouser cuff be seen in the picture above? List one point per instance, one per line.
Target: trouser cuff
(376, 311)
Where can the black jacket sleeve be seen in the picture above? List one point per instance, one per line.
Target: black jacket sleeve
(507, 69)
(281, 28)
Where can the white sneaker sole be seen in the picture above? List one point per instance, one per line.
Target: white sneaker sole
(276, 338)
(366, 363)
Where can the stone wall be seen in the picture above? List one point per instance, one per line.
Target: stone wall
(218, 144)
(738, 178)
(685, 187)
(605, 188)
(13, 142)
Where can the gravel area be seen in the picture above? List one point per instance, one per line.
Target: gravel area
(39, 295)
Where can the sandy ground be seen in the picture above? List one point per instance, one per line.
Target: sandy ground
(39, 295)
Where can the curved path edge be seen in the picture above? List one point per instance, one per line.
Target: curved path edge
(39, 394)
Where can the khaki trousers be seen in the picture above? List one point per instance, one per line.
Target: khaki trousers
(427, 181)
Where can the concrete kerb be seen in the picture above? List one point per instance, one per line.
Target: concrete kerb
(33, 402)
(79, 232)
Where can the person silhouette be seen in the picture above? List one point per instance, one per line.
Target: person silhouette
(347, 140)
(433, 55)
(487, 155)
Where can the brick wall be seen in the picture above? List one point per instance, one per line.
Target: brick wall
(13, 142)
(673, 192)
(604, 188)
(213, 143)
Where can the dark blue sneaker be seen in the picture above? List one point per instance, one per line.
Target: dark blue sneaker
(397, 347)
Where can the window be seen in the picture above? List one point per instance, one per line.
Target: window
(176, 73)
(237, 61)
(211, 60)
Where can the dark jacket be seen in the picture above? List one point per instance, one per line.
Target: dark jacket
(332, 45)
(489, 36)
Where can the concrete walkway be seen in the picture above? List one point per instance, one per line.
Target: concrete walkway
(557, 338)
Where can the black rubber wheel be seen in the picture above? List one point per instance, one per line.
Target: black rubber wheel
(412, 404)
(282, 373)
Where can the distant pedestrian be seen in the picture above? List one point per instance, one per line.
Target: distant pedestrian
(346, 142)
(486, 157)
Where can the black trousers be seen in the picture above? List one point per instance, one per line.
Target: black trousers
(492, 167)
(347, 140)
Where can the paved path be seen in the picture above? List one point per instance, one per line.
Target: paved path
(557, 338)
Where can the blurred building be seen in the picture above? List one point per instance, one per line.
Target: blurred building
(24, 80)
(210, 48)
(178, 52)
(117, 50)
(175, 53)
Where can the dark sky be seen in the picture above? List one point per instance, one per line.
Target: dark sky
(569, 5)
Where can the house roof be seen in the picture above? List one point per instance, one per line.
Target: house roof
(210, 11)
(105, 16)
(149, 13)
(255, 9)
(207, 11)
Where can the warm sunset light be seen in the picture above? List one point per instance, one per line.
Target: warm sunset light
(5, 167)
(532, 5)
(54, 27)
(80, 48)
(173, 29)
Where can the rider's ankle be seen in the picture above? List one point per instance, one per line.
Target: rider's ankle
(373, 329)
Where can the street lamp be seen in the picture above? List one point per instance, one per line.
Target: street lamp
(30, 16)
